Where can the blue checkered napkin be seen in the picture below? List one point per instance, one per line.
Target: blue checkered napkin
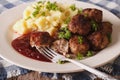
(8, 70)
(111, 5)
(7, 4)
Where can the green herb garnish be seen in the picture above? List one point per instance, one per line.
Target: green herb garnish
(64, 33)
(89, 53)
(80, 39)
(60, 62)
(79, 56)
(73, 7)
(28, 18)
(109, 37)
(94, 25)
(43, 13)
(39, 2)
(80, 10)
(52, 6)
(36, 11)
(67, 20)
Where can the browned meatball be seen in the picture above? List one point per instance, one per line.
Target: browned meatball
(93, 14)
(98, 40)
(60, 46)
(39, 39)
(79, 24)
(78, 44)
(106, 28)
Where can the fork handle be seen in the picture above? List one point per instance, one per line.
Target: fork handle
(92, 70)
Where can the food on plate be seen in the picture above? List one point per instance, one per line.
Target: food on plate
(93, 14)
(106, 28)
(38, 39)
(61, 46)
(44, 16)
(78, 45)
(73, 32)
(22, 45)
(79, 24)
(98, 40)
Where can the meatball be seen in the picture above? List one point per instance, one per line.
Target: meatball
(93, 14)
(106, 28)
(98, 40)
(40, 39)
(79, 24)
(61, 46)
(78, 44)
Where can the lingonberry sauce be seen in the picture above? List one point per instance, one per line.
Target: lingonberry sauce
(22, 45)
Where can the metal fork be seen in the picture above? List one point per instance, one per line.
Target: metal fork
(55, 57)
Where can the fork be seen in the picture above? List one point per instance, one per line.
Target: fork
(55, 57)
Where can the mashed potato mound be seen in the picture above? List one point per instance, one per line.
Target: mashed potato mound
(44, 16)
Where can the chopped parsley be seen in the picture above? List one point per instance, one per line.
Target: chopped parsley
(64, 33)
(52, 6)
(67, 20)
(79, 56)
(39, 2)
(28, 18)
(73, 7)
(36, 11)
(109, 37)
(80, 10)
(80, 39)
(60, 62)
(89, 53)
(94, 25)
(43, 13)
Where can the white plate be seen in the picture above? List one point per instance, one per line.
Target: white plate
(8, 18)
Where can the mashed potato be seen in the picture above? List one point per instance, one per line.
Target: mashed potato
(44, 16)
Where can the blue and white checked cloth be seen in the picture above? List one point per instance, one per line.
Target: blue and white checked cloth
(8, 70)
